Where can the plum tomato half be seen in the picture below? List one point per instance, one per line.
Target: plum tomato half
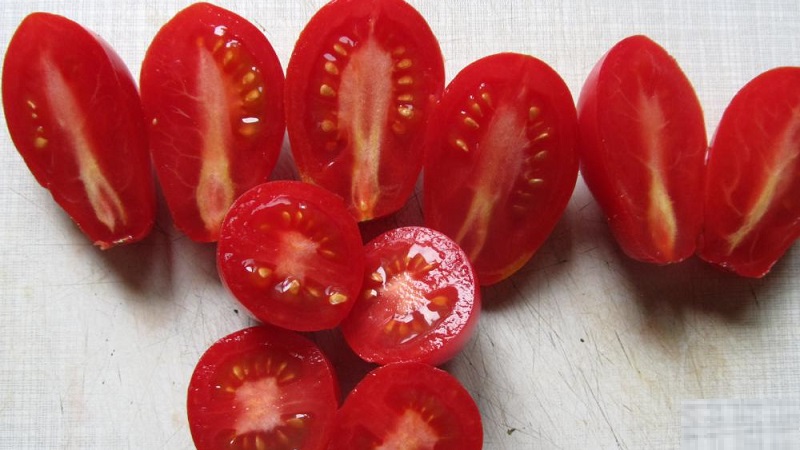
(262, 388)
(420, 299)
(359, 87)
(752, 200)
(501, 162)
(212, 89)
(75, 116)
(408, 406)
(642, 150)
(291, 253)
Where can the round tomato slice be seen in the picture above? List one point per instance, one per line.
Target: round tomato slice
(643, 147)
(408, 406)
(74, 115)
(752, 201)
(212, 89)
(359, 86)
(262, 388)
(419, 301)
(292, 255)
(501, 163)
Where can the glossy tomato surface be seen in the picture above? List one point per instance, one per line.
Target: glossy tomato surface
(643, 144)
(501, 161)
(292, 255)
(212, 90)
(74, 115)
(420, 299)
(262, 388)
(408, 406)
(359, 88)
(752, 202)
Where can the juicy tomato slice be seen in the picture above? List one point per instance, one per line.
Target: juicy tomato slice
(408, 406)
(643, 144)
(752, 201)
(292, 255)
(420, 299)
(212, 89)
(501, 162)
(75, 116)
(360, 83)
(262, 388)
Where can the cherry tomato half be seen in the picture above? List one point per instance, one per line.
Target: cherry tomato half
(262, 388)
(752, 201)
(359, 86)
(212, 90)
(501, 161)
(75, 116)
(643, 144)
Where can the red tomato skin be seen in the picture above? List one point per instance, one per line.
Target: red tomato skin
(754, 167)
(250, 129)
(614, 152)
(90, 79)
(521, 215)
(400, 153)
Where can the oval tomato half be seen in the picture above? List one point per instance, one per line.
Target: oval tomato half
(643, 144)
(75, 116)
(501, 161)
(212, 89)
(752, 201)
(360, 84)
(262, 388)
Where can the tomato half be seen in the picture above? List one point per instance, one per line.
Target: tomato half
(292, 255)
(420, 299)
(212, 90)
(359, 87)
(643, 144)
(75, 116)
(262, 388)
(752, 201)
(408, 406)
(501, 161)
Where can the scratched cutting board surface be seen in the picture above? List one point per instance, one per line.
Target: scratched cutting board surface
(583, 348)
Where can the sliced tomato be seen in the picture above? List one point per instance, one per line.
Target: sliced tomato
(501, 161)
(262, 388)
(212, 89)
(643, 144)
(359, 87)
(752, 201)
(408, 406)
(292, 255)
(420, 299)
(75, 116)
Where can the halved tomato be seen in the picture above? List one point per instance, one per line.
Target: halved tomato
(74, 114)
(752, 200)
(212, 89)
(643, 144)
(359, 87)
(501, 161)
(262, 388)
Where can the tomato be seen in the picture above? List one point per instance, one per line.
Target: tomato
(752, 200)
(292, 255)
(359, 86)
(643, 144)
(75, 116)
(262, 388)
(212, 89)
(501, 162)
(408, 406)
(420, 299)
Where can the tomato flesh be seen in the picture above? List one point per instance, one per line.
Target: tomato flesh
(212, 89)
(360, 83)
